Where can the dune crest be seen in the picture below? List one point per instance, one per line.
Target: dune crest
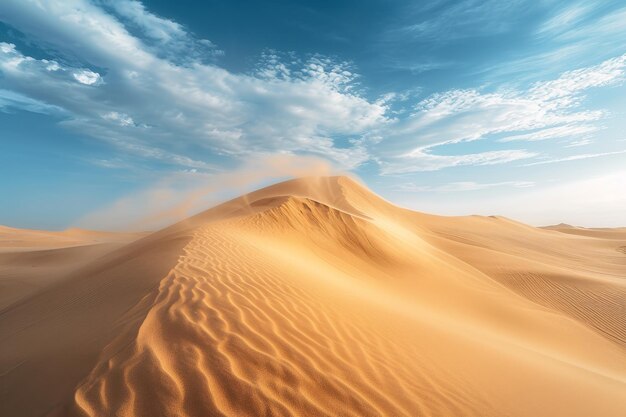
(315, 297)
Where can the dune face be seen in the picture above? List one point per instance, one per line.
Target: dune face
(315, 297)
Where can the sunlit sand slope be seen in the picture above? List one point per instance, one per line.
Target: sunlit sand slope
(315, 297)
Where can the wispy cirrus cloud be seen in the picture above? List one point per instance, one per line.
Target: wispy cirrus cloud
(582, 142)
(461, 186)
(576, 157)
(606, 23)
(548, 109)
(10, 100)
(564, 91)
(422, 160)
(565, 18)
(455, 20)
(166, 37)
(553, 133)
(141, 98)
(568, 34)
(147, 86)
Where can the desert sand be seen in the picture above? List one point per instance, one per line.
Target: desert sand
(315, 297)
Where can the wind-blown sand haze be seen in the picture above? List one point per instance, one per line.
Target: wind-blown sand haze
(315, 297)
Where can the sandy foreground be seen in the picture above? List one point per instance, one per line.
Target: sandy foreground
(314, 297)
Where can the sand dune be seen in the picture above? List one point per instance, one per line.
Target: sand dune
(618, 233)
(315, 297)
(12, 239)
(31, 260)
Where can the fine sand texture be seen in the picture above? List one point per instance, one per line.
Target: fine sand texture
(315, 297)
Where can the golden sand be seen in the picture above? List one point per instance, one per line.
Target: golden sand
(315, 297)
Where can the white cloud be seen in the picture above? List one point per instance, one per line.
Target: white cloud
(582, 142)
(545, 110)
(170, 38)
(552, 133)
(10, 59)
(85, 77)
(565, 19)
(121, 118)
(110, 163)
(563, 92)
(576, 157)
(422, 160)
(7, 48)
(461, 186)
(153, 26)
(302, 109)
(611, 24)
(13, 100)
(457, 20)
(52, 66)
(574, 34)
(159, 98)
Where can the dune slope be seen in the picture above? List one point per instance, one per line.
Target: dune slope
(314, 297)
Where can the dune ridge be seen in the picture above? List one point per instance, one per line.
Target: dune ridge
(315, 297)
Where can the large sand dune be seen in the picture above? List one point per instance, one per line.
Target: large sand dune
(315, 297)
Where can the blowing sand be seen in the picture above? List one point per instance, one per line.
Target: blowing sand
(315, 297)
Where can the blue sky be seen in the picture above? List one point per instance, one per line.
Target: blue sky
(452, 107)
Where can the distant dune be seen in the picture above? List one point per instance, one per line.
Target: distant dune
(31, 260)
(315, 297)
(13, 240)
(618, 233)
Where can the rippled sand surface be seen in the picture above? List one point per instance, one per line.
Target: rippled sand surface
(315, 297)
